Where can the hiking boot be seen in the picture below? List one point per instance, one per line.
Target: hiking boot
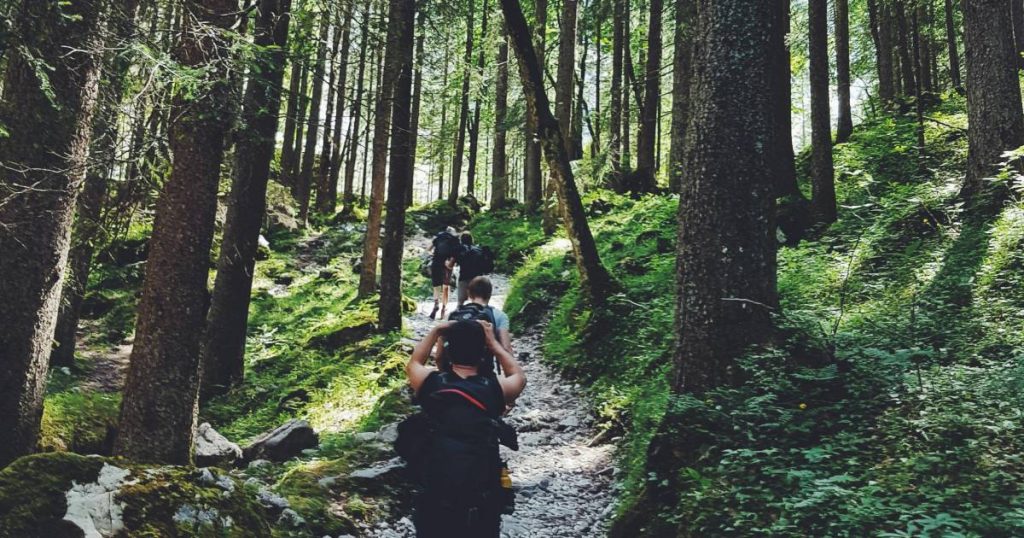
(433, 313)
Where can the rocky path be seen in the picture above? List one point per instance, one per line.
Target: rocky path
(564, 484)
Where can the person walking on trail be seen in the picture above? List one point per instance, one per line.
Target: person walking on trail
(444, 248)
(477, 307)
(465, 485)
(473, 261)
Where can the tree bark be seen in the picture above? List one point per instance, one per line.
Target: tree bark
(158, 409)
(348, 193)
(474, 128)
(417, 92)
(304, 182)
(953, 51)
(782, 161)
(615, 115)
(338, 153)
(87, 228)
(823, 196)
(993, 97)
(400, 34)
(460, 135)
(223, 348)
(904, 49)
(564, 89)
(382, 120)
(881, 33)
(499, 161)
(288, 157)
(1017, 16)
(595, 282)
(844, 126)
(327, 181)
(646, 142)
(533, 183)
(43, 171)
(685, 18)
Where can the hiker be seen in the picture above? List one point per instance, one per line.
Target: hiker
(473, 261)
(444, 248)
(465, 483)
(477, 307)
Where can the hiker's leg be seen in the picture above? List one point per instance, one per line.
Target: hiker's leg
(463, 292)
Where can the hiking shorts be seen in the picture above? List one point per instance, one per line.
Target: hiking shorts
(438, 274)
(436, 522)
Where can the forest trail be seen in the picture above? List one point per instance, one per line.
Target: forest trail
(564, 485)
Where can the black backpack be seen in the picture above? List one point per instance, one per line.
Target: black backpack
(446, 246)
(476, 261)
(453, 453)
(476, 312)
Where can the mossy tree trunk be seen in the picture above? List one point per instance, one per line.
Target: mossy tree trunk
(401, 15)
(499, 159)
(158, 409)
(223, 349)
(595, 281)
(42, 166)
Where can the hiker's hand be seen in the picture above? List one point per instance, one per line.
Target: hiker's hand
(489, 339)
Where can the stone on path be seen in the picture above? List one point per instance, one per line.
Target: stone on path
(214, 449)
(283, 443)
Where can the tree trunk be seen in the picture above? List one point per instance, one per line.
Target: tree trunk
(1017, 16)
(300, 128)
(417, 92)
(305, 179)
(348, 194)
(844, 126)
(87, 228)
(532, 181)
(685, 17)
(920, 69)
(993, 97)
(499, 161)
(904, 49)
(474, 129)
(881, 34)
(595, 282)
(158, 409)
(615, 115)
(224, 343)
(782, 161)
(599, 14)
(444, 121)
(823, 196)
(327, 183)
(460, 136)
(563, 104)
(400, 35)
(288, 157)
(922, 49)
(382, 120)
(954, 54)
(43, 170)
(331, 203)
(645, 161)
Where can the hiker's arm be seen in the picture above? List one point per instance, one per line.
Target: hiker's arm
(417, 370)
(514, 382)
(506, 340)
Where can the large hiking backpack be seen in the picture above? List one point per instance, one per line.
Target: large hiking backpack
(477, 312)
(453, 450)
(446, 246)
(475, 261)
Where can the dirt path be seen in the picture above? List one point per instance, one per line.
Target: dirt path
(564, 485)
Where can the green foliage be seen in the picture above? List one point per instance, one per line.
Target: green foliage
(79, 421)
(511, 232)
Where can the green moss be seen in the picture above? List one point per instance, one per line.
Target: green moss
(79, 421)
(32, 488)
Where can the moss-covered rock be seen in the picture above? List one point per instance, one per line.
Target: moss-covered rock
(146, 501)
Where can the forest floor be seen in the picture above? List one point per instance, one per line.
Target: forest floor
(563, 469)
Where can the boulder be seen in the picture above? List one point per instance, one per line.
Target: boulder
(283, 443)
(212, 448)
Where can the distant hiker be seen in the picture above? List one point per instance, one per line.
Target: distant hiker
(453, 446)
(473, 261)
(445, 247)
(477, 307)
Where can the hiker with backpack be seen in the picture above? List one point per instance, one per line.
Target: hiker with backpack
(452, 447)
(473, 261)
(444, 248)
(477, 308)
